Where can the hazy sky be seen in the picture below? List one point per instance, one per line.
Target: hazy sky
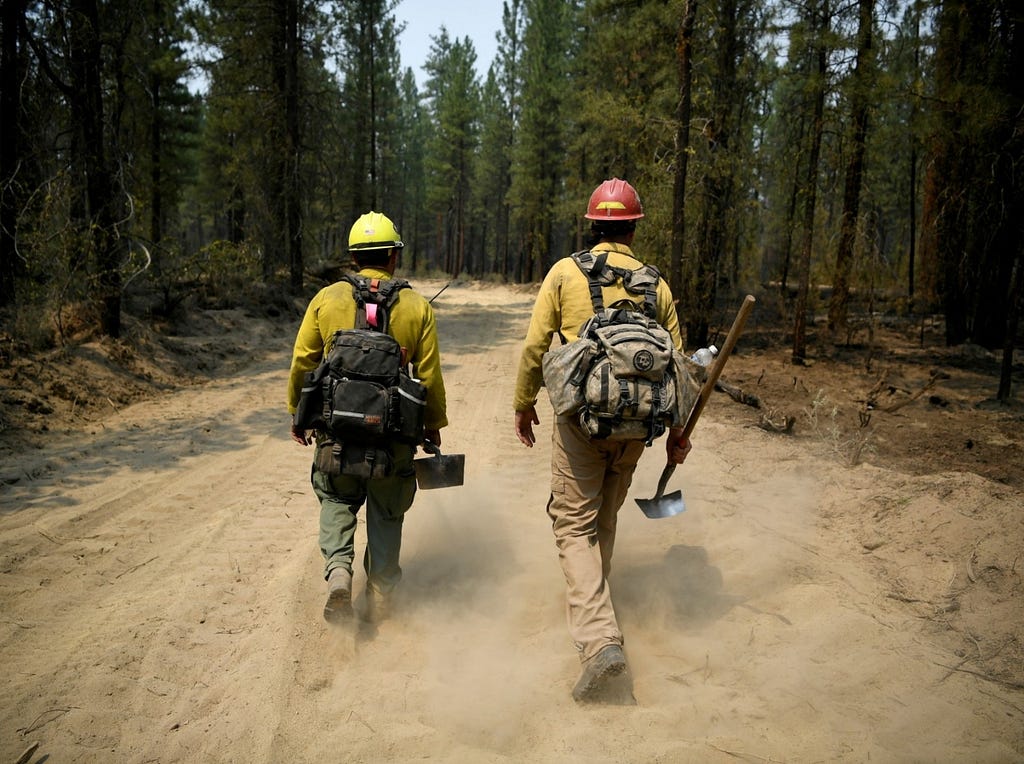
(479, 20)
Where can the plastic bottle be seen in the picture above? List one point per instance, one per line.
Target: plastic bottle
(705, 356)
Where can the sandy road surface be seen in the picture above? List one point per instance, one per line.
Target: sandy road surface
(160, 597)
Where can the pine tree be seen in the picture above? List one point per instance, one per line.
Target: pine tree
(539, 154)
(453, 95)
(369, 68)
(860, 87)
(500, 97)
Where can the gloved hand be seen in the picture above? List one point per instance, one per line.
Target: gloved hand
(677, 447)
(434, 436)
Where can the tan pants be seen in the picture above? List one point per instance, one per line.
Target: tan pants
(589, 482)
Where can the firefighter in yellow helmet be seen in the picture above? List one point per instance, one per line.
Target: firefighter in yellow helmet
(590, 476)
(339, 473)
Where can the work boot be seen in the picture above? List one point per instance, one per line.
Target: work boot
(378, 605)
(607, 663)
(339, 596)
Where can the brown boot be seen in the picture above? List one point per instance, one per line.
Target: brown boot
(609, 662)
(339, 596)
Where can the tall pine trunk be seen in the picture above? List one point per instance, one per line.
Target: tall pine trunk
(13, 12)
(718, 183)
(684, 70)
(860, 87)
(101, 193)
(293, 142)
(816, 89)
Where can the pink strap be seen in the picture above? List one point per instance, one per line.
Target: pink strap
(371, 314)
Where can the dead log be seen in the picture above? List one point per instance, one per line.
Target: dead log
(738, 395)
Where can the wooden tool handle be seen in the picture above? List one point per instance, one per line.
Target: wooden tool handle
(716, 368)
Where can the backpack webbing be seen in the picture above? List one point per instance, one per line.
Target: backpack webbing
(381, 292)
(599, 274)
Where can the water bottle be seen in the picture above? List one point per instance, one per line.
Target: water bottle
(705, 356)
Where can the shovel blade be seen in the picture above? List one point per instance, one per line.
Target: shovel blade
(669, 505)
(440, 470)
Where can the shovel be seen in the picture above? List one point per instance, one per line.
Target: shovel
(439, 471)
(661, 505)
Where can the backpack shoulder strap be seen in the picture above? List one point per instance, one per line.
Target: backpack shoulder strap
(360, 293)
(388, 290)
(594, 267)
(380, 292)
(642, 281)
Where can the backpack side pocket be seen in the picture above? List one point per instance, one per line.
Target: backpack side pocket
(309, 413)
(565, 369)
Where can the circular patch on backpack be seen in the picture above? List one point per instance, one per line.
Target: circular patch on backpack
(643, 360)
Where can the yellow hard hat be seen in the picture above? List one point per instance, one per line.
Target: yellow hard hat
(374, 230)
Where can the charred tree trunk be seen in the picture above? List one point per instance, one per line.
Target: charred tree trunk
(293, 162)
(817, 92)
(718, 182)
(156, 132)
(1012, 322)
(861, 76)
(13, 15)
(684, 69)
(101, 193)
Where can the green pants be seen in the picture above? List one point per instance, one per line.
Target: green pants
(387, 500)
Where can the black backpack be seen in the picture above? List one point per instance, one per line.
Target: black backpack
(362, 393)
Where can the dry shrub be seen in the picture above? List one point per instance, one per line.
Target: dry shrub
(849, 446)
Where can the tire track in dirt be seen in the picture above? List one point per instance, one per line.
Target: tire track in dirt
(136, 580)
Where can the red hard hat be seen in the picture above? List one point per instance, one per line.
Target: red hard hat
(614, 200)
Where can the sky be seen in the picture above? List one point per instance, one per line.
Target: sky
(479, 20)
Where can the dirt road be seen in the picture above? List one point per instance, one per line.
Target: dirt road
(160, 596)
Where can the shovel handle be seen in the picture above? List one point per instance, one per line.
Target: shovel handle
(666, 473)
(716, 368)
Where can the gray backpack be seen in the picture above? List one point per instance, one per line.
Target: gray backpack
(623, 377)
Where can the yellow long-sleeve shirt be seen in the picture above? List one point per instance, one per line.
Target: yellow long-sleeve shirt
(563, 305)
(411, 323)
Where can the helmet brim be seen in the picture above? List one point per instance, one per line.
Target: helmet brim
(635, 216)
(376, 245)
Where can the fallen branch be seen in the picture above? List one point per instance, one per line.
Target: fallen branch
(740, 754)
(135, 567)
(1004, 700)
(361, 720)
(986, 677)
(738, 395)
(48, 537)
(872, 399)
(45, 718)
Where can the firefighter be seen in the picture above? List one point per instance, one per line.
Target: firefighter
(374, 245)
(589, 477)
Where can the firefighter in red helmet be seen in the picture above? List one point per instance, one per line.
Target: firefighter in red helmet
(590, 476)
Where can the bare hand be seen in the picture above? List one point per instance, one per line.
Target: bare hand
(677, 447)
(525, 420)
(301, 436)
